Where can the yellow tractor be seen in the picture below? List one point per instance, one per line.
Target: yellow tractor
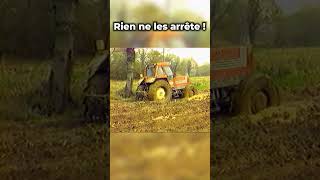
(159, 83)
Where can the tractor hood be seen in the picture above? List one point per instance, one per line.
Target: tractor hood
(149, 79)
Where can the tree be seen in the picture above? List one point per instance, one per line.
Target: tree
(61, 69)
(130, 60)
(191, 63)
(219, 9)
(97, 89)
(175, 63)
(105, 19)
(154, 56)
(142, 56)
(260, 12)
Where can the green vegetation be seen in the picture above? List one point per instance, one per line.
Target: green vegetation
(35, 36)
(20, 83)
(291, 69)
(169, 12)
(299, 29)
(17, 82)
(181, 66)
(202, 84)
(273, 27)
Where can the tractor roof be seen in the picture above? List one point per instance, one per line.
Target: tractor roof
(163, 64)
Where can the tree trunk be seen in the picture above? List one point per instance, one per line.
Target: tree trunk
(103, 22)
(252, 36)
(61, 69)
(130, 59)
(143, 59)
(244, 29)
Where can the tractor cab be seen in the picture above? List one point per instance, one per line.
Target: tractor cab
(156, 71)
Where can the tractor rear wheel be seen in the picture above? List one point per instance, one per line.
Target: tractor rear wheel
(160, 91)
(255, 94)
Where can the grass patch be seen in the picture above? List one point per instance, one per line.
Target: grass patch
(290, 68)
(201, 83)
(20, 81)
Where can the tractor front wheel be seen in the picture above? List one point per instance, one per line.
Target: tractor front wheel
(160, 91)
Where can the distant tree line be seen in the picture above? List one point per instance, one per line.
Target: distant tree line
(263, 23)
(143, 57)
(27, 27)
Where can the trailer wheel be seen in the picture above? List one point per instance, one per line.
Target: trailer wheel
(194, 91)
(189, 91)
(255, 94)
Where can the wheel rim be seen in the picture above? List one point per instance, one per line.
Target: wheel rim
(260, 102)
(161, 94)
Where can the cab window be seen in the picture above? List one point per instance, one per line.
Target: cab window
(160, 71)
(150, 71)
(167, 70)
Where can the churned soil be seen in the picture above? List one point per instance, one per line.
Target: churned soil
(279, 143)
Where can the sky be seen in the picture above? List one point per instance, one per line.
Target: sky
(200, 55)
(201, 7)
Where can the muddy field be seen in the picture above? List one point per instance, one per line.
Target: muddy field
(54, 149)
(283, 141)
(180, 115)
(160, 156)
(280, 142)
(34, 146)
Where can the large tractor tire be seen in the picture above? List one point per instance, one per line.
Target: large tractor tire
(141, 93)
(160, 91)
(189, 91)
(255, 94)
(96, 99)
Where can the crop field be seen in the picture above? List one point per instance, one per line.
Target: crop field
(179, 115)
(160, 156)
(33, 146)
(281, 141)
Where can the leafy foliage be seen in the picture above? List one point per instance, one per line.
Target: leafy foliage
(179, 65)
(267, 24)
